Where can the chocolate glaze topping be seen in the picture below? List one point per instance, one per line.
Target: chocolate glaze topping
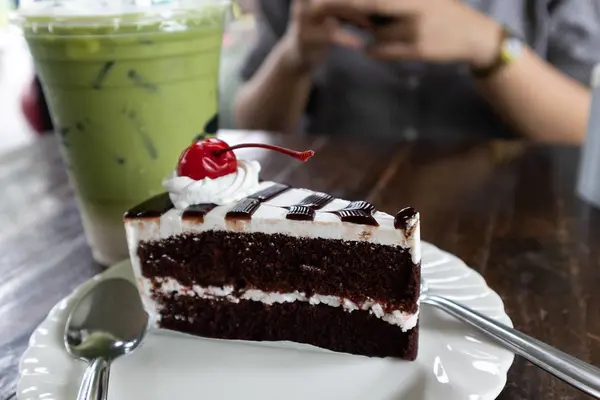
(151, 208)
(301, 213)
(244, 209)
(248, 206)
(403, 217)
(305, 210)
(358, 212)
(270, 192)
(198, 210)
(317, 200)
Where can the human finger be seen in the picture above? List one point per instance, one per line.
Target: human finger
(308, 12)
(402, 29)
(344, 38)
(331, 32)
(394, 51)
(372, 7)
(300, 10)
(339, 10)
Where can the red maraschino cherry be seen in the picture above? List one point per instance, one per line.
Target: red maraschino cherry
(213, 158)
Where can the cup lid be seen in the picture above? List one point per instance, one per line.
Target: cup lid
(98, 9)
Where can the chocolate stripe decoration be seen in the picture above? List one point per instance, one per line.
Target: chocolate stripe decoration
(244, 209)
(198, 210)
(151, 208)
(270, 192)
(358, 212)
(248, 206)
(403, 218)
(317, 200)
(301, 213)
(305, 210)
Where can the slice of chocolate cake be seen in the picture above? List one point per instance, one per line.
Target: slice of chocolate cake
(226, 256)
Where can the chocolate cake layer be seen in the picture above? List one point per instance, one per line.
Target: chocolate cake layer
(328, 327)
(281, 263)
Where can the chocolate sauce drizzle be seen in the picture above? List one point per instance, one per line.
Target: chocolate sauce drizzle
(358, 212)
(248, 206)
(305, 210)
(151, 208)
(403, 217)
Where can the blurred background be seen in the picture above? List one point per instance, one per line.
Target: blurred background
(22, 112)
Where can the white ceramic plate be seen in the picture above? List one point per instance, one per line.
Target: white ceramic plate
(455, 361)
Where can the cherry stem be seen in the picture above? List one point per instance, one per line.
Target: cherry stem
(300, 155)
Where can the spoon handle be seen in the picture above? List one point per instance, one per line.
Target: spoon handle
(95, 381)
(573, 371)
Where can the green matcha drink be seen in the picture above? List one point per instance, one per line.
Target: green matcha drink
(126, 95)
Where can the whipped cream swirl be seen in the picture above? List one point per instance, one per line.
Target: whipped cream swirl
(185, 191)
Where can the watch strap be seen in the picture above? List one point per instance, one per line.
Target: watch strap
(503, 57)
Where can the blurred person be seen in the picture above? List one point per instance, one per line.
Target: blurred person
(247, 6)
(435, 68)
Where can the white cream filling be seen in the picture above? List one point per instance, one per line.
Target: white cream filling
(406, 321)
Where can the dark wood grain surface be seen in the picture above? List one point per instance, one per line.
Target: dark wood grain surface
(508, 209)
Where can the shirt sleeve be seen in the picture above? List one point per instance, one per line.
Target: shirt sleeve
(574, 45)
(271, 24)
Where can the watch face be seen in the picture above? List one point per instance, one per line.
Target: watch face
(512, 49)
(514, 45)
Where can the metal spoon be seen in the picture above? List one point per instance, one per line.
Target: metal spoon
(573, 371)
(107, 322)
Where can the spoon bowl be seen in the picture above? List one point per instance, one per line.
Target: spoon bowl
(107, 322)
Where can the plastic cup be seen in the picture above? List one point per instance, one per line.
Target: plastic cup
(588, 183)
(129, 84)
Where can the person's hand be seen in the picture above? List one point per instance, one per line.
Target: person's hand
(430, 30)
(313, 29)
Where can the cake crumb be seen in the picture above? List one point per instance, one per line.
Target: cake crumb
(366, 233)
(310, 268)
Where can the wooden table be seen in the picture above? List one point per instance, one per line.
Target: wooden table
(508, 209)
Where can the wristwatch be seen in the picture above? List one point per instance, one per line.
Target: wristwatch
(510, 49)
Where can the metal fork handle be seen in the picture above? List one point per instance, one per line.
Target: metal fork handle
(573, 371)
(94, 385)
